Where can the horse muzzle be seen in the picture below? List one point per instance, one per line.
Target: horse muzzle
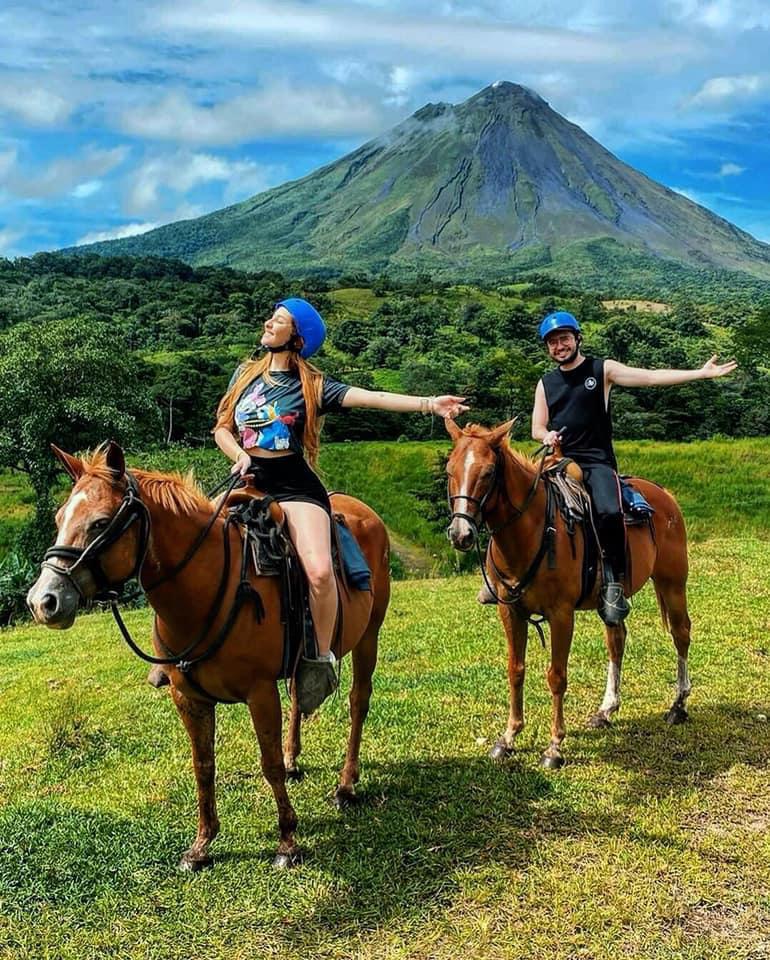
(461, 534)
(53, 601)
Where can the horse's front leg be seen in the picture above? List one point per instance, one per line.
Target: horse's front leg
(516, 634)
(292, 746)
(615, 639)
(265, 710)
(562, 625)
(198, 718)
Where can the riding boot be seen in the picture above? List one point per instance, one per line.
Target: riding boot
(316, 680)
(613, 606)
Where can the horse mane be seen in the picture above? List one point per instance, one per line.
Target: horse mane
(521, 459)
(174, 492)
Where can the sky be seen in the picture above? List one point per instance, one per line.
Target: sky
(118, 117)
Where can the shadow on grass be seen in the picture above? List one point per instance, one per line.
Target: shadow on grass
(663, 758)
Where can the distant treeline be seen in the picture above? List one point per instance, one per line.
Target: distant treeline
(188, 327)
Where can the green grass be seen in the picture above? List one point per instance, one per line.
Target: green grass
(653, 842)
(723, 486)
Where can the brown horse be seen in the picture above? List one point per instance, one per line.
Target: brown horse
(489, 482)
(169, 515)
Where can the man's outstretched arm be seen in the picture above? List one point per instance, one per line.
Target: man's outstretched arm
(623, 376)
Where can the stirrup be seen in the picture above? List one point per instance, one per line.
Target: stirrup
(613, 606)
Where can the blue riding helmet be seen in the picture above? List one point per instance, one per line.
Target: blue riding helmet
(560, 320)
(309, 323)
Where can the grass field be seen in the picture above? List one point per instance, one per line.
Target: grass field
(723, 486)
(653, 842)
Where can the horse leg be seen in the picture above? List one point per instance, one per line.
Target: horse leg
(561, 640)
(516, 634)
(672, 600)
(199, 719)
(292, 746)
(615, 639)
(265, 710)
(364, 657)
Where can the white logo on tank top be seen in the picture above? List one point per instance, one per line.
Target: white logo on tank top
(590, 383)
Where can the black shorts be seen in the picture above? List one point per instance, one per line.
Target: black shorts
(289, 478)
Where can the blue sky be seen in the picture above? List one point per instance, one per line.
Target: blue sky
(118, 117)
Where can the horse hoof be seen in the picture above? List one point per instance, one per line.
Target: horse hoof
(192, 864)
(157, 677)
(599, 721)
(500, 752)
(285, 861)
(295, 774)
(552, 763)
(345, 799)
(676, 715)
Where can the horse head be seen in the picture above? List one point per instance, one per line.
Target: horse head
(102, 534)
(472, 473)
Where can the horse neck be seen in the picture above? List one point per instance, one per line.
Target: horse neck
(172, 534)
(517, 532)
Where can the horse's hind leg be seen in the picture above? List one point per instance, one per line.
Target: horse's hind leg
(615, 639)
(672, 599)
(265, 710)
(198, 718)
(364, 656)
(516, 634)
(292, 746)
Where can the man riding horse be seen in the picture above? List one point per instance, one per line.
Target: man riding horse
(572, 412)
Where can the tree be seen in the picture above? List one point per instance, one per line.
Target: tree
(70, 383)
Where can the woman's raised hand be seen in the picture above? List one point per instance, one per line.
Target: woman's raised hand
(448, 406)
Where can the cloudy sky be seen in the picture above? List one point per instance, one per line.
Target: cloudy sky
(117, 117)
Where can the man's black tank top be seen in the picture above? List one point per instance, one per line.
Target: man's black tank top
(576, 409)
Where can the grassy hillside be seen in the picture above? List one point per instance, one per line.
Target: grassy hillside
(653, 841)
(723, 486)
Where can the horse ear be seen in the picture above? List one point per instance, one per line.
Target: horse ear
(452, 429)
(115, 459)
(499, 434)
(71, 464)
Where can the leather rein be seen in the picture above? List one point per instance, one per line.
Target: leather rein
(86, 561)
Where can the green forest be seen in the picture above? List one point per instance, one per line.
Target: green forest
(140, 349)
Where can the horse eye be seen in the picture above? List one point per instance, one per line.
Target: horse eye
(100, 524)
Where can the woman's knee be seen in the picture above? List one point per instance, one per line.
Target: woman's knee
(318, 570)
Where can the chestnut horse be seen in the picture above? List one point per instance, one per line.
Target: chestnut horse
(490, 483)
(172, 515)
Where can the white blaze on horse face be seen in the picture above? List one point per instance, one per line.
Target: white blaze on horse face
(461, 527)
(65, 534)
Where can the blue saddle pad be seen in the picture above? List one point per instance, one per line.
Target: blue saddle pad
(356, 568)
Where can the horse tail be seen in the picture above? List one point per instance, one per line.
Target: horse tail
(662, 606)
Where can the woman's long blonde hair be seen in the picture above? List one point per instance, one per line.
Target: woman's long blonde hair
(311, 379)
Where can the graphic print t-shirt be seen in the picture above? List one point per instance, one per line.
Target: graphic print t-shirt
(272, 416)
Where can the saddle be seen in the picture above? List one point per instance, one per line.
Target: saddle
(574, 504)
(270, 552)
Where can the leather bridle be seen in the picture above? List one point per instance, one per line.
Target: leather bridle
(85, 561)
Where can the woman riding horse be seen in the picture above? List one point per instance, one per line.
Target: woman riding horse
(268, 424)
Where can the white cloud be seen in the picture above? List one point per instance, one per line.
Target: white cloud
(489, 40)
(180, 172)
(731, 170)
(87, 189)
(723, 90)
(35, 101)
(63, 174)
(280, 110)
(116, 233)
